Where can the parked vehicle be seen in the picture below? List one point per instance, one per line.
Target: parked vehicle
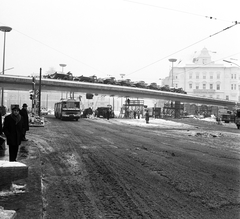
(140, 84)
(44, 112)
(153, 86)
(226, 118)
(67, 109)
(126, 82)
(82, 78)
(110, 80)
(61, 76)
(102, 112)
(237, 119)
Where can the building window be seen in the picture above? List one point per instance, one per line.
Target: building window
(231, 86)
(235, 86)
(197, 87)
(197, 76)
(218, 76)
(204, 76)
(190, 86)
(190, 76)
(218, 86)
(211, 86)
(176, 85)
(176, 77)
(231, 76)
(204, 86)
(227, 97)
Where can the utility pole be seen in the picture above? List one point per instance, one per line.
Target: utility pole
(39, 92)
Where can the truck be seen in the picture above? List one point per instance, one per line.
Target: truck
(102, 111)
(237, 119)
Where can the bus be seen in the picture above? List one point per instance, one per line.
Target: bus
(67, 110)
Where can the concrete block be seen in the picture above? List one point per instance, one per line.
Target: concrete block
(11, 171)
(7, 214)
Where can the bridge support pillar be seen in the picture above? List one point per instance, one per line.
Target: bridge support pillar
(177, 110)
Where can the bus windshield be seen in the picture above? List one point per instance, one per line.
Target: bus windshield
(70, 105)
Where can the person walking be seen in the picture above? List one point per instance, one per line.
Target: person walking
(108, 114)
(12, 128)
(147, 116)
(0, 122)
(24, 114)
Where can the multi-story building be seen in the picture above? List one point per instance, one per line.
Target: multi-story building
(207, 79)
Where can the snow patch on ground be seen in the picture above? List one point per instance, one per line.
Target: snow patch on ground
(4, 163)
(155, 122)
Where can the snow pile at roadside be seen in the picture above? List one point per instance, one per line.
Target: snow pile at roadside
(156, 123)
(209, 119)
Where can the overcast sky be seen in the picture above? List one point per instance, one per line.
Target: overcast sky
(113, 37)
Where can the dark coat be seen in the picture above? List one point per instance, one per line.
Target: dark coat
(0, 123)
(147, 116)
(24, 114)
(12, 130)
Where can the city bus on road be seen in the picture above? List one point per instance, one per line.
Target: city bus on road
(67, 110)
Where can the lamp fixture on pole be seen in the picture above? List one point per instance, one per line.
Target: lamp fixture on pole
(62, 65)
(4, 29)
(172, 61)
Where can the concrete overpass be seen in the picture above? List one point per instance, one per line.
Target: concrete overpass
(10, 82)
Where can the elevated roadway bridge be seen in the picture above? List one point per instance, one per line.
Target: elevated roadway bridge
(13, 82)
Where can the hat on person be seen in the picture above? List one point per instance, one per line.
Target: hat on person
(15, 107)
(24, 105)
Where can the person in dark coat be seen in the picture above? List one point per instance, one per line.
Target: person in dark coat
(147, 116)
(24, 114)
(12, 128)
(108, 114)
(1, 123)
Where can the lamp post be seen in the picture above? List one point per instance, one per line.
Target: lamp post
(172, 61)
(4, 29)
(62, 65)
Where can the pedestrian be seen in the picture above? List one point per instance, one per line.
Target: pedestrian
(108, 114)
(24, 114)
(147, 116)
(134, 114)
(12, 128)
(0, 122)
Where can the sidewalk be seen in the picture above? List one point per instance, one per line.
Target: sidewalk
(26, 196)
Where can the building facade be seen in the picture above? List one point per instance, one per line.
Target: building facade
(206, 79)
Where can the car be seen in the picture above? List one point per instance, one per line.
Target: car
(44, 112)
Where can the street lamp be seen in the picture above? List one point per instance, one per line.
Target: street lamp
(172, 61)
(4, 29)
(62, 65)
(122, 75)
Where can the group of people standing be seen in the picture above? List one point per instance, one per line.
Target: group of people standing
(14, 127)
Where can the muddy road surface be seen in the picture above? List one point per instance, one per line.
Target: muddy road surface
(95, 168)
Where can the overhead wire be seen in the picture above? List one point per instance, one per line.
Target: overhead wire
(56, 50)
(183, 49)
(180, 11)
(206, 64)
